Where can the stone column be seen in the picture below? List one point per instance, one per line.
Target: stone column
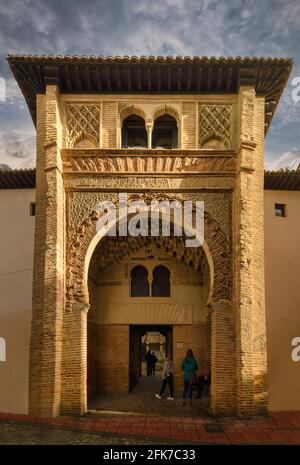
(248, 240)
(48, 271)
(149, 128)
(223, 357)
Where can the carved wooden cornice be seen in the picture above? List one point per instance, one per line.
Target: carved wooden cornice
(147, 161)
(168, 75)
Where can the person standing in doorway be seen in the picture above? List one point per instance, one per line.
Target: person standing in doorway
(153, 363)
(167, 379)
(189, 367)
(148, 358)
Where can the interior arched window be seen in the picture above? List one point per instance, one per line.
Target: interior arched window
(161, 282)
(134, 132)
(139, 282)
(165, 132)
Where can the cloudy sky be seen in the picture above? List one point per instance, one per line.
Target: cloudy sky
(148, 27)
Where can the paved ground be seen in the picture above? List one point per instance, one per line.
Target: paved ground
(142, 401)
(20, 434)
(140, 418)
(277, 428)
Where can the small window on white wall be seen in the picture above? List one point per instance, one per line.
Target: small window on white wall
(32, 208)
(2, 350)
(280, 209)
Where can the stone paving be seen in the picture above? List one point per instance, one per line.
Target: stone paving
(140, 418)
(142, 401)
(277, 428)
(24, 434)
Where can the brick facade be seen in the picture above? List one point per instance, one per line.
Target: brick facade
(48, 275)
(248, 281)
(235, 347)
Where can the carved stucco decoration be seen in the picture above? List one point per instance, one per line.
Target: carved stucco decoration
(76, 289)
(83, 122)
(148, 164)
(246, 109)
(215, 123)
(217, 204)
(132, 110)
(166, 110)
(115, 249)
(126, 183)
(148, 111)
(82, 204)
(150, 256)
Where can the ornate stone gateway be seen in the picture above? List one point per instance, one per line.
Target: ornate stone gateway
(155, 128)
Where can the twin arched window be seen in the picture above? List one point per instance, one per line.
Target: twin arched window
(164, 133)
(160, 286)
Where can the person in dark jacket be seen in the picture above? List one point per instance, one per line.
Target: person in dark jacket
(148, 358)
(189, 367)
(153, 363)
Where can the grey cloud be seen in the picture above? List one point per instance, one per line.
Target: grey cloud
(17, 149)
(290, 160)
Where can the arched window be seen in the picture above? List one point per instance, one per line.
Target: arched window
(161, 282)
(139, 282)
(134, 132)
(2, 350)
(165, 133)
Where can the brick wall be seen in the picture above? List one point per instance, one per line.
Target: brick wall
(194, 337)
(260, 375)
(48, 274)
(189, 111)
(223, 358)
(112, 358)
(248, 282)
(109, 125)
(92, 341)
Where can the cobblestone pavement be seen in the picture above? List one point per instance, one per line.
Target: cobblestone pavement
(277, 428)
(20, 434)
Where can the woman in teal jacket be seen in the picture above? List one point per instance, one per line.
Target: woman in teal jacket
(189, 367)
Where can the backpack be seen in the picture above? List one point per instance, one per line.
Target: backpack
(193, 379)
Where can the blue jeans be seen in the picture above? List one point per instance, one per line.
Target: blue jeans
(187, 390)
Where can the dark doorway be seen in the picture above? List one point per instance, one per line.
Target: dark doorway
(157, 339)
